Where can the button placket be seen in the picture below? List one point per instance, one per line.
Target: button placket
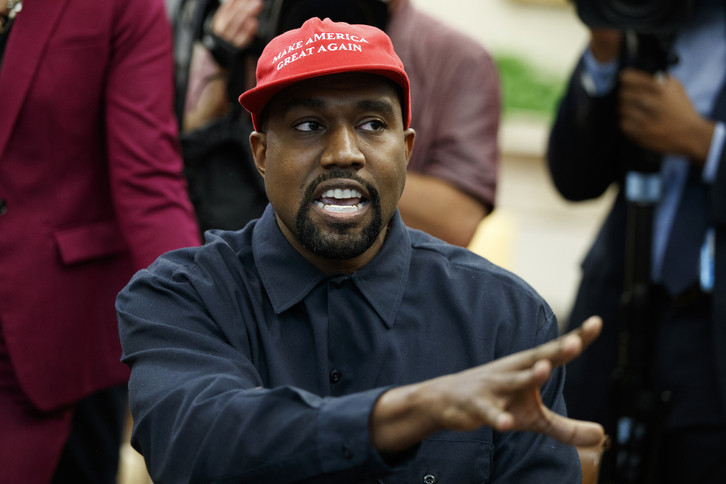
(335, 284)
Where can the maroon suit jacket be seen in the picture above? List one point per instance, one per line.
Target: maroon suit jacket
(91, 181)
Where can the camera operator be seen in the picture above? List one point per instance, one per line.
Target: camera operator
(678, 114)
(452, 174)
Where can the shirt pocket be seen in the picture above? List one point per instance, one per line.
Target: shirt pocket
(447, 462)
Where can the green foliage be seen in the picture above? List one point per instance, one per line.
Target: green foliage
(527, 89)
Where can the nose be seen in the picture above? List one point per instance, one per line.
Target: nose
(342, 149)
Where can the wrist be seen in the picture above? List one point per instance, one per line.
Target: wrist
(700, 140)
(399, 419)
(8, 12)
(222, 51)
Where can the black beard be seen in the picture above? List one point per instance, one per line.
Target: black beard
(339, 244)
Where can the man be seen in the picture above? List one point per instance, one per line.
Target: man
(452, 175)
(91, 190)
(679, 115)
(326, 341)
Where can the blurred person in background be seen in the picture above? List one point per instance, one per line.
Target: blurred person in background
(679, 115)
(91, 190)
(454, 84)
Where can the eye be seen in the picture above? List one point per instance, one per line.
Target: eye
(308, 126)
(372, 125)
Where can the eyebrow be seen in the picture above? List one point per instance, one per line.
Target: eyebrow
(308, 102)
(380, 106)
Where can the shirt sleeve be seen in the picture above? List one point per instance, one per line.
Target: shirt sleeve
(598, 78)
(583, 151)
(456, 105)
(201, 413)
(460, 145)
(715, 152)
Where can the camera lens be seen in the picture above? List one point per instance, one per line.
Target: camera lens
(651, 10)
(642, 16)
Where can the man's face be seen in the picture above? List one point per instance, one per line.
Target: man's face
(334, 155)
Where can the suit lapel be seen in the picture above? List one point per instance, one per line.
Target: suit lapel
(28, 38)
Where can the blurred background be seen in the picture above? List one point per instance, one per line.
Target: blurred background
(533, 231)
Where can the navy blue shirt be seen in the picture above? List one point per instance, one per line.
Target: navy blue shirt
(248, 364)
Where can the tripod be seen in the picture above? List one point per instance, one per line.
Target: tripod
(639, 409)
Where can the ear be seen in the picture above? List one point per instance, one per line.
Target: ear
(408, 138)
(258, 143)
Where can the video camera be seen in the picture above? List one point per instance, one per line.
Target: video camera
(640, 16)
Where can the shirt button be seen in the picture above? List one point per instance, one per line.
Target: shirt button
(335, 376)
(3, 207)
(430, 479)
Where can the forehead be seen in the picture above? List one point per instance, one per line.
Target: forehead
(336, 89)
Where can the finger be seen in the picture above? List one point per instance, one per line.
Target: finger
(490, 413)
(247, 14)
(503, 422)
(233, 15)
(636, 110)
(589, 330)
(636, 78)
(571, 431)
(558, 351)
(246, 33)
(507, 382)
(570, 345)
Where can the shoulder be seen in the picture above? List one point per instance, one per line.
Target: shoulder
(134, 18)
(222, 257)
(442, 41)
(468, 291)
(461, 263)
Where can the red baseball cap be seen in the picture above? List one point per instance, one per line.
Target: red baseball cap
(320, 48)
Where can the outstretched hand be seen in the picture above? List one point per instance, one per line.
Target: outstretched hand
(503, 394)
(513, 383)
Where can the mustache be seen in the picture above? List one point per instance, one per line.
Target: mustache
(338, 173)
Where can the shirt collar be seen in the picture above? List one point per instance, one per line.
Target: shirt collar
(288, 277)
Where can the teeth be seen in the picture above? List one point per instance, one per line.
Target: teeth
(342, 194)
(340, 208)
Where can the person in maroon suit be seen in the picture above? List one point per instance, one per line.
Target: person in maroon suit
(91, 190)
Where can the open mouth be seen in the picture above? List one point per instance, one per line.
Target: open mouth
(341, 200)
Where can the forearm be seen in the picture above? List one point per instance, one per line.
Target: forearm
(583, 153)
(206, 96)
(398, 422)
(273, 435)
(437, 207)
